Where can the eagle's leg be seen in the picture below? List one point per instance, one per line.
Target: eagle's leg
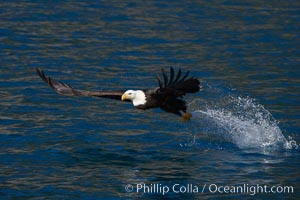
(186, 116)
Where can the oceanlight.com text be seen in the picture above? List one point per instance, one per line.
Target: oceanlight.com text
(247, 189)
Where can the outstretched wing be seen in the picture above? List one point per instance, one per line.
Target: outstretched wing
(65, 89)
(177, 86)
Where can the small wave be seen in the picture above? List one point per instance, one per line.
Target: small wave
(241, 121)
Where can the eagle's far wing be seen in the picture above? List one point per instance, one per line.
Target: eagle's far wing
(65, 89)
(177, 86)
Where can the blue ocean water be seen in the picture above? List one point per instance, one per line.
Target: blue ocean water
(244, 133)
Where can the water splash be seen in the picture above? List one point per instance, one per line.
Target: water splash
(241, 121)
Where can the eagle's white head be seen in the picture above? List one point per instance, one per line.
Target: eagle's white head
(137, 97)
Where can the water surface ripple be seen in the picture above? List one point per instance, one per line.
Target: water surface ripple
(245, 128)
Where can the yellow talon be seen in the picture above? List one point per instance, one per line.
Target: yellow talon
(186, 117)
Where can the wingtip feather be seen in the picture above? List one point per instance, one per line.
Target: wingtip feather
(165, 77)
(171, 75)
(159, 81)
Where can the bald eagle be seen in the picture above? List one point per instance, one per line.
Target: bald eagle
(168, 95)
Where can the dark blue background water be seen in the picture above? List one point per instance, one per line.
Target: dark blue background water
(245, 128)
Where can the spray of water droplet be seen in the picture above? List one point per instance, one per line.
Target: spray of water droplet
(241, 121)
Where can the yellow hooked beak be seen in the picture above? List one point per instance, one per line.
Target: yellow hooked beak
(124, 97)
